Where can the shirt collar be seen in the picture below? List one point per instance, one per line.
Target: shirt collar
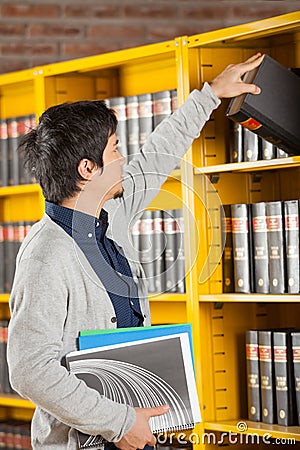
(77, 221)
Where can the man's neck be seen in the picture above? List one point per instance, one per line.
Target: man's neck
(84, 204)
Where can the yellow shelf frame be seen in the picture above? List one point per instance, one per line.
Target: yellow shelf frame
(255, 429)
(15, 402)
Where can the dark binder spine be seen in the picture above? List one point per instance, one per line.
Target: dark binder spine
(4, 152)
(118, 105)
(161, 106)
(260, 248)
(291, 231)
(13, 155)
(147, 248)
(268, 150)
(174, 100)
(266, 367)
(145, 113)
(253, 376)
(275, 247)
(170, 250)
(227, 257)
(240, 244)
(2, 261)
(284, 380)
(235, 142)
(180, 260)
(132, 113)
(296, 369)
(250, 145)
(159, 246)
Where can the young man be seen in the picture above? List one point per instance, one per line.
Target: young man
(75, 270)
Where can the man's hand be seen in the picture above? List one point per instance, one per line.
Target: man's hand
(140, 434)
(229, 83)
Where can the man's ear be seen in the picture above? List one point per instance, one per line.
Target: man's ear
(86, 168)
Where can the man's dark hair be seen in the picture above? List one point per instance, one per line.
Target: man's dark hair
(66, 134)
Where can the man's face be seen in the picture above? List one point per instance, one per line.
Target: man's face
(111, 175)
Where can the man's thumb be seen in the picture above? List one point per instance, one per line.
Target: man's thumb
(158, 410)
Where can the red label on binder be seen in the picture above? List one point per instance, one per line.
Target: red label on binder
(251, 124)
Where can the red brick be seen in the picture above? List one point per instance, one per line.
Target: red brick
(203, 13)
(29, 49)
(9, 10)
(12, 66)
(101, 11)
(58, 31)
(163, 12)
(116, 32)
(12, 29)
(86, 49)
(253, 13)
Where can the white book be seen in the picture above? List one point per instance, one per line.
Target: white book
(143, 374)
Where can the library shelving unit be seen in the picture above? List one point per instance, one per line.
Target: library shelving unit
(220, 320)
(203, 182)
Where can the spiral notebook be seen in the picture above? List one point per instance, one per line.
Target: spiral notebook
(158, 371)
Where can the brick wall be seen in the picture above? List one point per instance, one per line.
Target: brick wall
(34, 32)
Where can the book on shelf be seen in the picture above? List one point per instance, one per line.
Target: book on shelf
(260, 248)
(170, 250)
(3, 153)
(118, 105)
(179, 258)
(145, 113)
(274, 113)
(162, 106)
(133, 136)
(159, 247)
(235, 142)
(291, 254)
(241, 247)
(296, 369)
(275, 247)
(267, 385)
(143, 374)
(250, 146)
(284, 378)
(227, 257)
(253, 376)
(146, 247)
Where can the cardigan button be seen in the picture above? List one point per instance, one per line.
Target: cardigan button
(113, 319)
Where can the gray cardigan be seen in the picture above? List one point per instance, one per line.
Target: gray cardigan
(56, 294)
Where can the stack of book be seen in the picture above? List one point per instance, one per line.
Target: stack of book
(261, 247)
(12, 235)
(15, 434)
(273, 376)
(12, 171)
(245, 145)
(138, 116)
(158, 238)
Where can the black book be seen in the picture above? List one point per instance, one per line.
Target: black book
(296, 369)
(260, 248)
(13, 154)
(147, 248)
(159, 247)
(179, 258)
(227, 257)
(170, 250)
(250, 145)
(162, 106)
(118, 105)
(267, 385)
(274, 113)
(253, 376)
(145, 113)
(268, 150)
(3, 153)
(275, 247)
(284, 379)
(241, 247)
(291, 254)
(132, 114)
(235, 142)
(2, 261)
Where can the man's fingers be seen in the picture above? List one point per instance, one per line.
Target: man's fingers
(251, 89)
(249, 65)
(156, 411)
(152, 441)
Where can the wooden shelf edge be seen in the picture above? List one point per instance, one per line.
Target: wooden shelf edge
(15, 402)
(265, 298)
(167, 297)
(255, 428)
(4, 298)
(251, 166)
(22, 189)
